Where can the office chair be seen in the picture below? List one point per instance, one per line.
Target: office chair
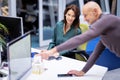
(80, 52)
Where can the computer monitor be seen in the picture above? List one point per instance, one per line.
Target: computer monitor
(19, 56)
(14, 26)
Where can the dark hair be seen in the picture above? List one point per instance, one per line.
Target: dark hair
(77, 14)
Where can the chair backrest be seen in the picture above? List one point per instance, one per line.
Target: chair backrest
(83, 27)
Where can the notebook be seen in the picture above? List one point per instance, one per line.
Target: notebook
(19, 56)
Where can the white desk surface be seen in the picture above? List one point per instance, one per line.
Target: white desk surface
(55, 67)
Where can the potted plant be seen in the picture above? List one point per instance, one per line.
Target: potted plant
(3, 33)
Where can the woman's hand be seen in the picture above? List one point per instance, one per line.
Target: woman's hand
(76, 73)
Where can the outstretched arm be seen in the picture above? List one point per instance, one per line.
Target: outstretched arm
(71, 43)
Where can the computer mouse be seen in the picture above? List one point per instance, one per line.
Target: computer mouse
(58, 58)
(51, 57)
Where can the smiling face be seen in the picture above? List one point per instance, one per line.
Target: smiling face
(90, 16)
(70, 17)
(91, 12)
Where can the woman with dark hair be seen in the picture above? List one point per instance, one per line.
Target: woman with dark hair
(66, 28)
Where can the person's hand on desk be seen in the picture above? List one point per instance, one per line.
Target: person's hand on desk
(76, 73)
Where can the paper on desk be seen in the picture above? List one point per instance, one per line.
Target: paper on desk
(35, 50)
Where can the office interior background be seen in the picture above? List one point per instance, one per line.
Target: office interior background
(42, 15)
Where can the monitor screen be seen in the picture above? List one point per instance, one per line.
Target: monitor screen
(19, 57)
(14, 26)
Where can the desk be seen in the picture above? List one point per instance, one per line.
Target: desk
(55, 67)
